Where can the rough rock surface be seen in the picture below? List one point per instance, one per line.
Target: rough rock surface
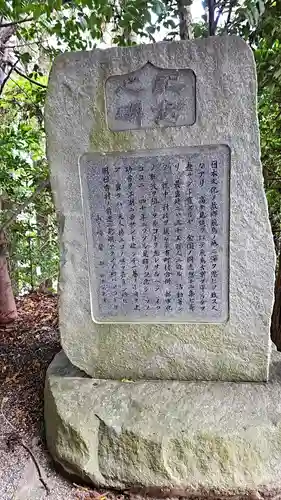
(225, 114)
(184, 436)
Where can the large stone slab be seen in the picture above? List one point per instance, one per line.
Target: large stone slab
(166, 437)
(94, 106)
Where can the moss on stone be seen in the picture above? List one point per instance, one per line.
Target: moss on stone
(102, 138)
(208, 450)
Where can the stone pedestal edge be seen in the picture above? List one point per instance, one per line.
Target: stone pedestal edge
(165, 438)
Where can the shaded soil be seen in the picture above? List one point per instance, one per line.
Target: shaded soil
(27, 347)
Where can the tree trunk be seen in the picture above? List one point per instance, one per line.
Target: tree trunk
(6, 55)
(13, 271)
(211, 17)
(276, 314)
(185, 17)
(8, 310)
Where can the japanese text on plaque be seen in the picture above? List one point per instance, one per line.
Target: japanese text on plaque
(151, 97)
(157, 231)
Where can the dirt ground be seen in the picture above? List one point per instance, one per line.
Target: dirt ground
(27, 346)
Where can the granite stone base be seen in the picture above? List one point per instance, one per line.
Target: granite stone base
(166, 437)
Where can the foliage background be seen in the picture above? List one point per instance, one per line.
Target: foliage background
(32, 33)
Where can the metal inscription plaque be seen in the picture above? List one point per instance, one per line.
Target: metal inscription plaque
(157, 225)
(150, 97)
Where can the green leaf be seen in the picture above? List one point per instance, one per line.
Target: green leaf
(158, 7)
(26, 57)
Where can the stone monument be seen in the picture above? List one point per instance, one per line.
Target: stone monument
(167, 271)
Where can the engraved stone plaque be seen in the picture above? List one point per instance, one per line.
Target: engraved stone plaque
(157, 225)
(162, 280)
(151, 97)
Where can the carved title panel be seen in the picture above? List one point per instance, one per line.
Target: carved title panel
(151, 97)
(157, 233)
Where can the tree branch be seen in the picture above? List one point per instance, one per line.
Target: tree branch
(21, 88)
(220, 12)
(14, 438)
(27, 44)
(231, 5)
(211, 16)
(25, 204)
(14, 23)
(30, 79)
(185, 18)
(7, 76)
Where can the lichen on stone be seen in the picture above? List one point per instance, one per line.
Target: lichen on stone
(102, 138)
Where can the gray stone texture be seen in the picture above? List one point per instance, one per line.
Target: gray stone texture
(166, 436)
(225, 114)
(151, 97)
(157, 231)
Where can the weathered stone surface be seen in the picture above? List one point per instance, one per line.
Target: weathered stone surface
(193, 436)
(136, 100)
(152, 259)
(76, 124)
